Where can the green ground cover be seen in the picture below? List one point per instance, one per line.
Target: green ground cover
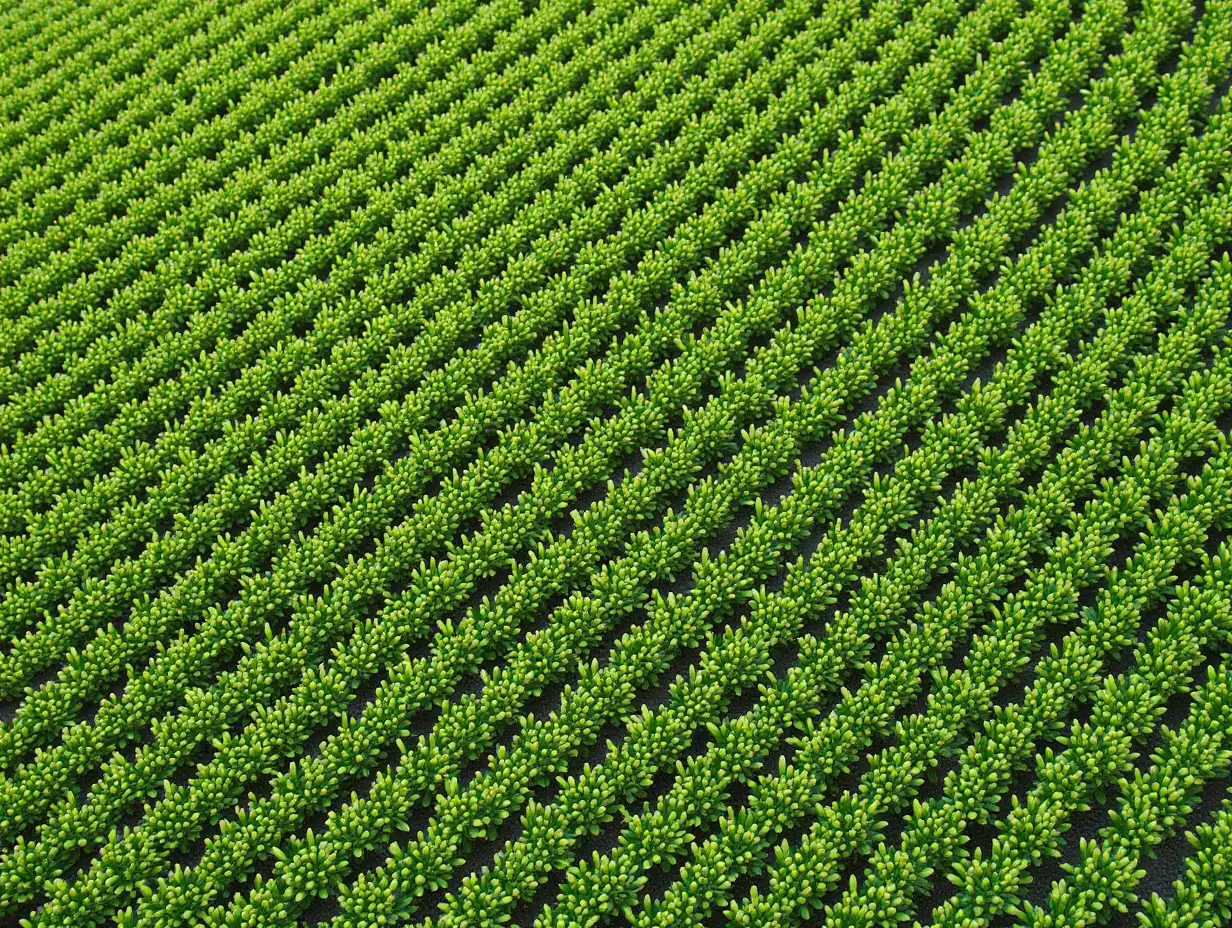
(588, 462)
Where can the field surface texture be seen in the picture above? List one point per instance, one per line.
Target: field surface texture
(569, 463)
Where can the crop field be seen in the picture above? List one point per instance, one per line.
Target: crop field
(558, 463)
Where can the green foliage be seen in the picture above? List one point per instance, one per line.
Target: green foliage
(459, 460)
